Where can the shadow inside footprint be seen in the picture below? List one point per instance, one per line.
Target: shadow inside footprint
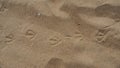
(59, 63)
(55, 63)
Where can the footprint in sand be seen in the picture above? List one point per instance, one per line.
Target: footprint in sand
(3, 8)
(55, 40)
(30, 34)
(101, 35)
(9, 38)
(78, 36)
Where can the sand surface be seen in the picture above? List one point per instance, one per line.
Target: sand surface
(59, 33)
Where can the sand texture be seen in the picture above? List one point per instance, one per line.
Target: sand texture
(59, 33)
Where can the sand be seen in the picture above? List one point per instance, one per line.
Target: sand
(59, 34)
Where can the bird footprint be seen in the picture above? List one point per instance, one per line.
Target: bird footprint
(30, 33)
(9, 38)
(101, 35)
(54, 40)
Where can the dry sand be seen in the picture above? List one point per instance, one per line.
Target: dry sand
(59, 33)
